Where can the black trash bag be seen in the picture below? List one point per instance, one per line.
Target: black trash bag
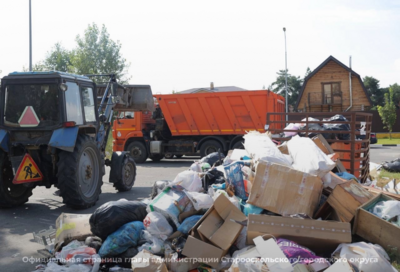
(112, 215)
(393, 166)
(158, 187)
(311, 127)
(126, 257)
(212, 176)
(213, 158)
(333, 126)
(94, 242)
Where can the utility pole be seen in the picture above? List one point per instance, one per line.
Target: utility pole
(30, 37)
(286, 93)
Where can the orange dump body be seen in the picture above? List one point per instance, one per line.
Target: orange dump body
(223, 113)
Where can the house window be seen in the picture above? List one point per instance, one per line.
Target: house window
(329, 91)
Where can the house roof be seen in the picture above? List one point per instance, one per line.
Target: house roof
(316, 70)
(216, 89)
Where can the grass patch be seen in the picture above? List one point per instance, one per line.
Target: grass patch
(388, 141)
(385, 176)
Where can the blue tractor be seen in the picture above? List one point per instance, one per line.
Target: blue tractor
(53, 132)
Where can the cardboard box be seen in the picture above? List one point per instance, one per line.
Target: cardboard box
(72, 227)
(283, 148)
(375, 229)
(215, 232)
(283, 190)
(318, 235)
(346, 198)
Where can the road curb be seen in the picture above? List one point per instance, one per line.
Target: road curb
(389, 145)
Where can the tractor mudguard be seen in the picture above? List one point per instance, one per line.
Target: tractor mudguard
(64, 138)
(4, 140)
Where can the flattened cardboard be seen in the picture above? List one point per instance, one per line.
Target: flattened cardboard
(72, 227)
(284, 190)
(346, 198)
(374, 229)
(270, 251)
(195, 248)
(318, 235)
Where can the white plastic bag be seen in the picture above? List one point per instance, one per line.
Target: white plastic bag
(156, 224)
(195, 167)
(261, 147)
(388, 210)
(291, 126)
(366, 257)
(153, 244)
(308, 158)
(200, 201)
(189, 180)
(234, 200)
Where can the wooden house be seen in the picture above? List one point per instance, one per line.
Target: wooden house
(331, 88)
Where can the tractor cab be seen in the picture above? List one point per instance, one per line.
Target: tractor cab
(38, 101)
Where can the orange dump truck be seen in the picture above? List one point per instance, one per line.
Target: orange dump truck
(190, 124)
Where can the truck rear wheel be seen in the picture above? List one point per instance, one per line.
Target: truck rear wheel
(11, 194)
(238, 145)
(79, 174)
(138, 151)
(123, 171)
(209, 147)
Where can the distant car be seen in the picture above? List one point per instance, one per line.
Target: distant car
(373, 139)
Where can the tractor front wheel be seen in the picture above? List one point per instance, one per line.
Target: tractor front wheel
(11, 194)
(80, 174)
(123, 171)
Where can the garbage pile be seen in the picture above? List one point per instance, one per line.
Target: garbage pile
(264, 208)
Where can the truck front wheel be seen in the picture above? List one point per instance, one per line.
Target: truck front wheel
(209, 147)
(79, 174)
(138, 151)
(11, 194)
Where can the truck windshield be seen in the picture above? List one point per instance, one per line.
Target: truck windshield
(31, 105)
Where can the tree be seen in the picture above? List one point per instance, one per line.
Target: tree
(96, 53)
(388, 112)
(294, 86)
(376, 93)
(59, 59)
(396, 94)
(308, 71)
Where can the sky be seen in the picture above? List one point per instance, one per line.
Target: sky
(178, 45)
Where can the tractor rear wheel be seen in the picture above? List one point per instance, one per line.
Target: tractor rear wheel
(80, 174)
(11, 194)
(123, 171)
(138, 151)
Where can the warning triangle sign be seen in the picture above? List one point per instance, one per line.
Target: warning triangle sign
(28, 118)
(27, 171)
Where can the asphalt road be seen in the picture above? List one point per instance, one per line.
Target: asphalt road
(17, 224)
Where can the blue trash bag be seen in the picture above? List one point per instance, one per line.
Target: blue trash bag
(119, 241)
(250, 209)
(347, 176)
(188, 223)
(235, 177)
